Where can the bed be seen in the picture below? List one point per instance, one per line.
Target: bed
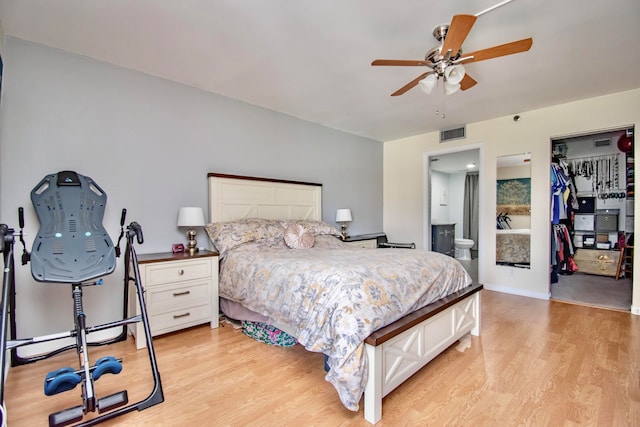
(379, 315)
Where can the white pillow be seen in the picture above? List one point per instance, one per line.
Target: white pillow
(296, 236)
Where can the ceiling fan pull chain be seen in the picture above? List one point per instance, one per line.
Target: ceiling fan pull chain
(439, 98)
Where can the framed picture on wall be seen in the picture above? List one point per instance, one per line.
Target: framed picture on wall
(444, 197)
(514, 196)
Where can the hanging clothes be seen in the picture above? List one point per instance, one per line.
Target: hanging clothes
(562, 250)
(562, 191)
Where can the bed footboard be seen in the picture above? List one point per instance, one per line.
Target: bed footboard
(401, 349)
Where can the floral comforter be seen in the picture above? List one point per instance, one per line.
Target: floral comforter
(332, 299)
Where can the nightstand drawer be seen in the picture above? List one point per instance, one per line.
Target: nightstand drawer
(364, 244)
(178, 319)
(366, 241)
(169, 272)
(168, 298)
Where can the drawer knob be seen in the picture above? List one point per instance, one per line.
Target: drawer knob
(180, 272)
(178, 316)
(179, 294)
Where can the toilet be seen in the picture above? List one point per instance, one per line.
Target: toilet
(463, 248)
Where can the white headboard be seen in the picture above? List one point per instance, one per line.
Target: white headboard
(236, 197)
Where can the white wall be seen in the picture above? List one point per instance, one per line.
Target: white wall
(451, 212)
(149, 143)
(439, 189)
(404, 180)
(1, 78)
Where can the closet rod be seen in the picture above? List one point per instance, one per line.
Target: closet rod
(602, 156)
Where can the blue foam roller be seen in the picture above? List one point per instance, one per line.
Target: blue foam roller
(106, 365)
(61, 380)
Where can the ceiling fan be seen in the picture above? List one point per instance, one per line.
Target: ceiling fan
(446, 61)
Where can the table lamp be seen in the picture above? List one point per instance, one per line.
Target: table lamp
(343, 216)
(191, 217)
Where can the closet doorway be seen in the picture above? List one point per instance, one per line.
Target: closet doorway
(592, 219)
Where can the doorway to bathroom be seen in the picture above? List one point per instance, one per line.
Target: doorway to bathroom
(452, 205)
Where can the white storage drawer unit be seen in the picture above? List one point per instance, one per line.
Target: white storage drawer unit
(584, 222)
(181, 290)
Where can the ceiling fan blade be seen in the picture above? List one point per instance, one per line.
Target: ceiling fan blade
(400, 62)
(497, 51)
(409, 85)
(467, 82)
(457, 32)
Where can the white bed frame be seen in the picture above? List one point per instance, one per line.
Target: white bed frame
(396, 351)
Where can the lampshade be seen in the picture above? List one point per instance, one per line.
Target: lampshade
(428, 83)
(190, 217)
(343, 215)
(454, 74)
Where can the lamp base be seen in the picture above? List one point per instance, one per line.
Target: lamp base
(344, 231)
(192, 244)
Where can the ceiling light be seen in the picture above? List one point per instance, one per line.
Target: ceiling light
(451, 88)
(428, 83)
(454, 74)
(471, 165)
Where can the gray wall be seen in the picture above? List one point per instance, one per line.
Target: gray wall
(149, 143)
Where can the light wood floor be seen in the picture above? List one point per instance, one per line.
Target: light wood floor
(536, 363)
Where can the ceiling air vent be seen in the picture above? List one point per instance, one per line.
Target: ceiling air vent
(448, 135)
(602, 142)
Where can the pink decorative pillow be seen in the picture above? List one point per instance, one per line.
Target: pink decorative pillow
(316, 227)
(296, 236)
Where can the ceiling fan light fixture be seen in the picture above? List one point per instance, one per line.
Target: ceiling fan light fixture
(454, 74)
(428, 83)
(451, 88)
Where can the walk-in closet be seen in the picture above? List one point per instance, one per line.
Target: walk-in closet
(592, 242)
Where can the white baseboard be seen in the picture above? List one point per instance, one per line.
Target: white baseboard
(515, 291)
(507, 290)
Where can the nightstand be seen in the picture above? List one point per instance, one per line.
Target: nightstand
(181, 290)
(366, 241)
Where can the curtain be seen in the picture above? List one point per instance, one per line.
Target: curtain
(471, 208)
